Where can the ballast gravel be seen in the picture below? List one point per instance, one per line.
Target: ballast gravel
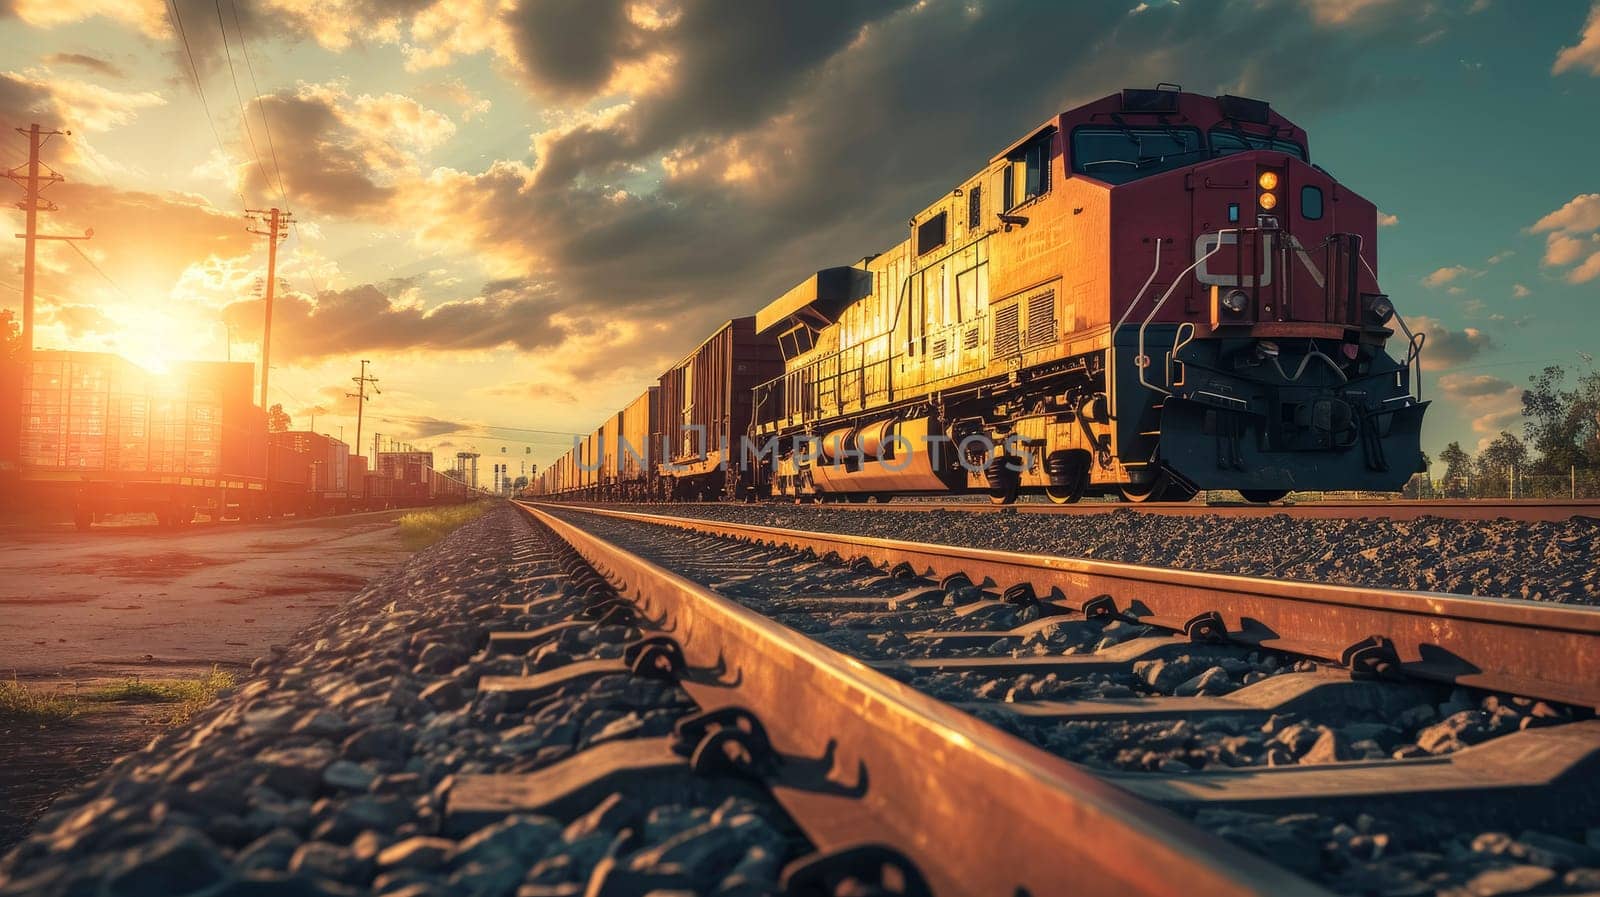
(1541, 561)
(327, 771)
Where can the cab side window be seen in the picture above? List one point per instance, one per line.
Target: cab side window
(1028, 173)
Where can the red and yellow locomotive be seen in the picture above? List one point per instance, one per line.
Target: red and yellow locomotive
(1153, 293)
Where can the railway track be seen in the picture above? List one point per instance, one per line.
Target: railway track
(938, 711)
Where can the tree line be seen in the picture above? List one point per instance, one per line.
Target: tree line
(1556, 453)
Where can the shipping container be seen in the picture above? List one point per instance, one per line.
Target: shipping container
(125, 439)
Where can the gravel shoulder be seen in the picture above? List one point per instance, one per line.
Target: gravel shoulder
(1540, 561)
(328, 771)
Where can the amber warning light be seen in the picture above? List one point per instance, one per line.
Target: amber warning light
(1268, 181)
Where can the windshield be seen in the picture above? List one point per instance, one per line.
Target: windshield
(1119, 155)
(1226, 143)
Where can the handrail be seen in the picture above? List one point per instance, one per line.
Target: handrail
(1154, 269)
(1142, 361)
(1414, 341)
(1111, 369)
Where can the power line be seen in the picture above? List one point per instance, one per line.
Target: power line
(176, 18)
(85, 256)
(238, 95)
(266, 125)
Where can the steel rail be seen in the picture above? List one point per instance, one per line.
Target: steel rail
(1522, 510)
(1531, 648)
(869, 760)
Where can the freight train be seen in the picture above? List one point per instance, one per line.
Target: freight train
(1152, 294)
(105, 436)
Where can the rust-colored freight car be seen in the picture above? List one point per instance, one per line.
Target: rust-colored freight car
(326, 463)
(641, 439)
(705, 408)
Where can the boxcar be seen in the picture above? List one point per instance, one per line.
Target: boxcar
(705, 411)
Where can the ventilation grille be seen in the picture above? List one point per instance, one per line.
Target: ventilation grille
(969, 340)
(940, 347)
(1006, 330)
(1041, 321)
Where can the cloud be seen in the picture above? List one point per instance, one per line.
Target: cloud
(144, 16)
(341, 154)
(1446, 348)
(78, 320)
(1572, 237)
(1387, 220)
(371, 317)
(67, 104)
(1585, 54)
(1473, 385)
(1448, 274)
(1518, 291)
(539, 392)
(423, 427)
(84, 61)
(1589, 270)
(1501, 256)
(455, 92)
(1579, 215)
(1493, 404)
(1345, 12)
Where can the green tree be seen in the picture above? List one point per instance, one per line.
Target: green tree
(1496, 464)
(1457, 465)
(1563, 425)
(277, 419)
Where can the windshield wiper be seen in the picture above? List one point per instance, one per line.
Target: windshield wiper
(1146, 160)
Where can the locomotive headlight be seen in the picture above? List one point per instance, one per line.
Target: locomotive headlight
(1379, 308)
(1235, 301)
(1268, 181)
(1269, 200)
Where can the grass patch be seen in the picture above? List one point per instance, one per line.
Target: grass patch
(419, 529)
(188, 695)
(22, 703)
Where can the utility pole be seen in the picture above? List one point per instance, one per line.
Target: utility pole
(33, 184)
(360, 395)
(277, 229)
(376, 438)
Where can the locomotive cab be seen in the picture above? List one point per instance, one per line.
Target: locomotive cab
(1252, 354)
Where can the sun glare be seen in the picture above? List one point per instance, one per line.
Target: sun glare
(156, 339)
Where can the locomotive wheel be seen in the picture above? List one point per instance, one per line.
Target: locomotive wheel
(1071, 493)
(1067, 496)
(1164, 488)
(856, 498)
(1263, 496)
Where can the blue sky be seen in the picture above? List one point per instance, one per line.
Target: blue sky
(521, 210)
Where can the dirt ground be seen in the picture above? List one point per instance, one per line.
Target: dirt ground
(83, 609)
